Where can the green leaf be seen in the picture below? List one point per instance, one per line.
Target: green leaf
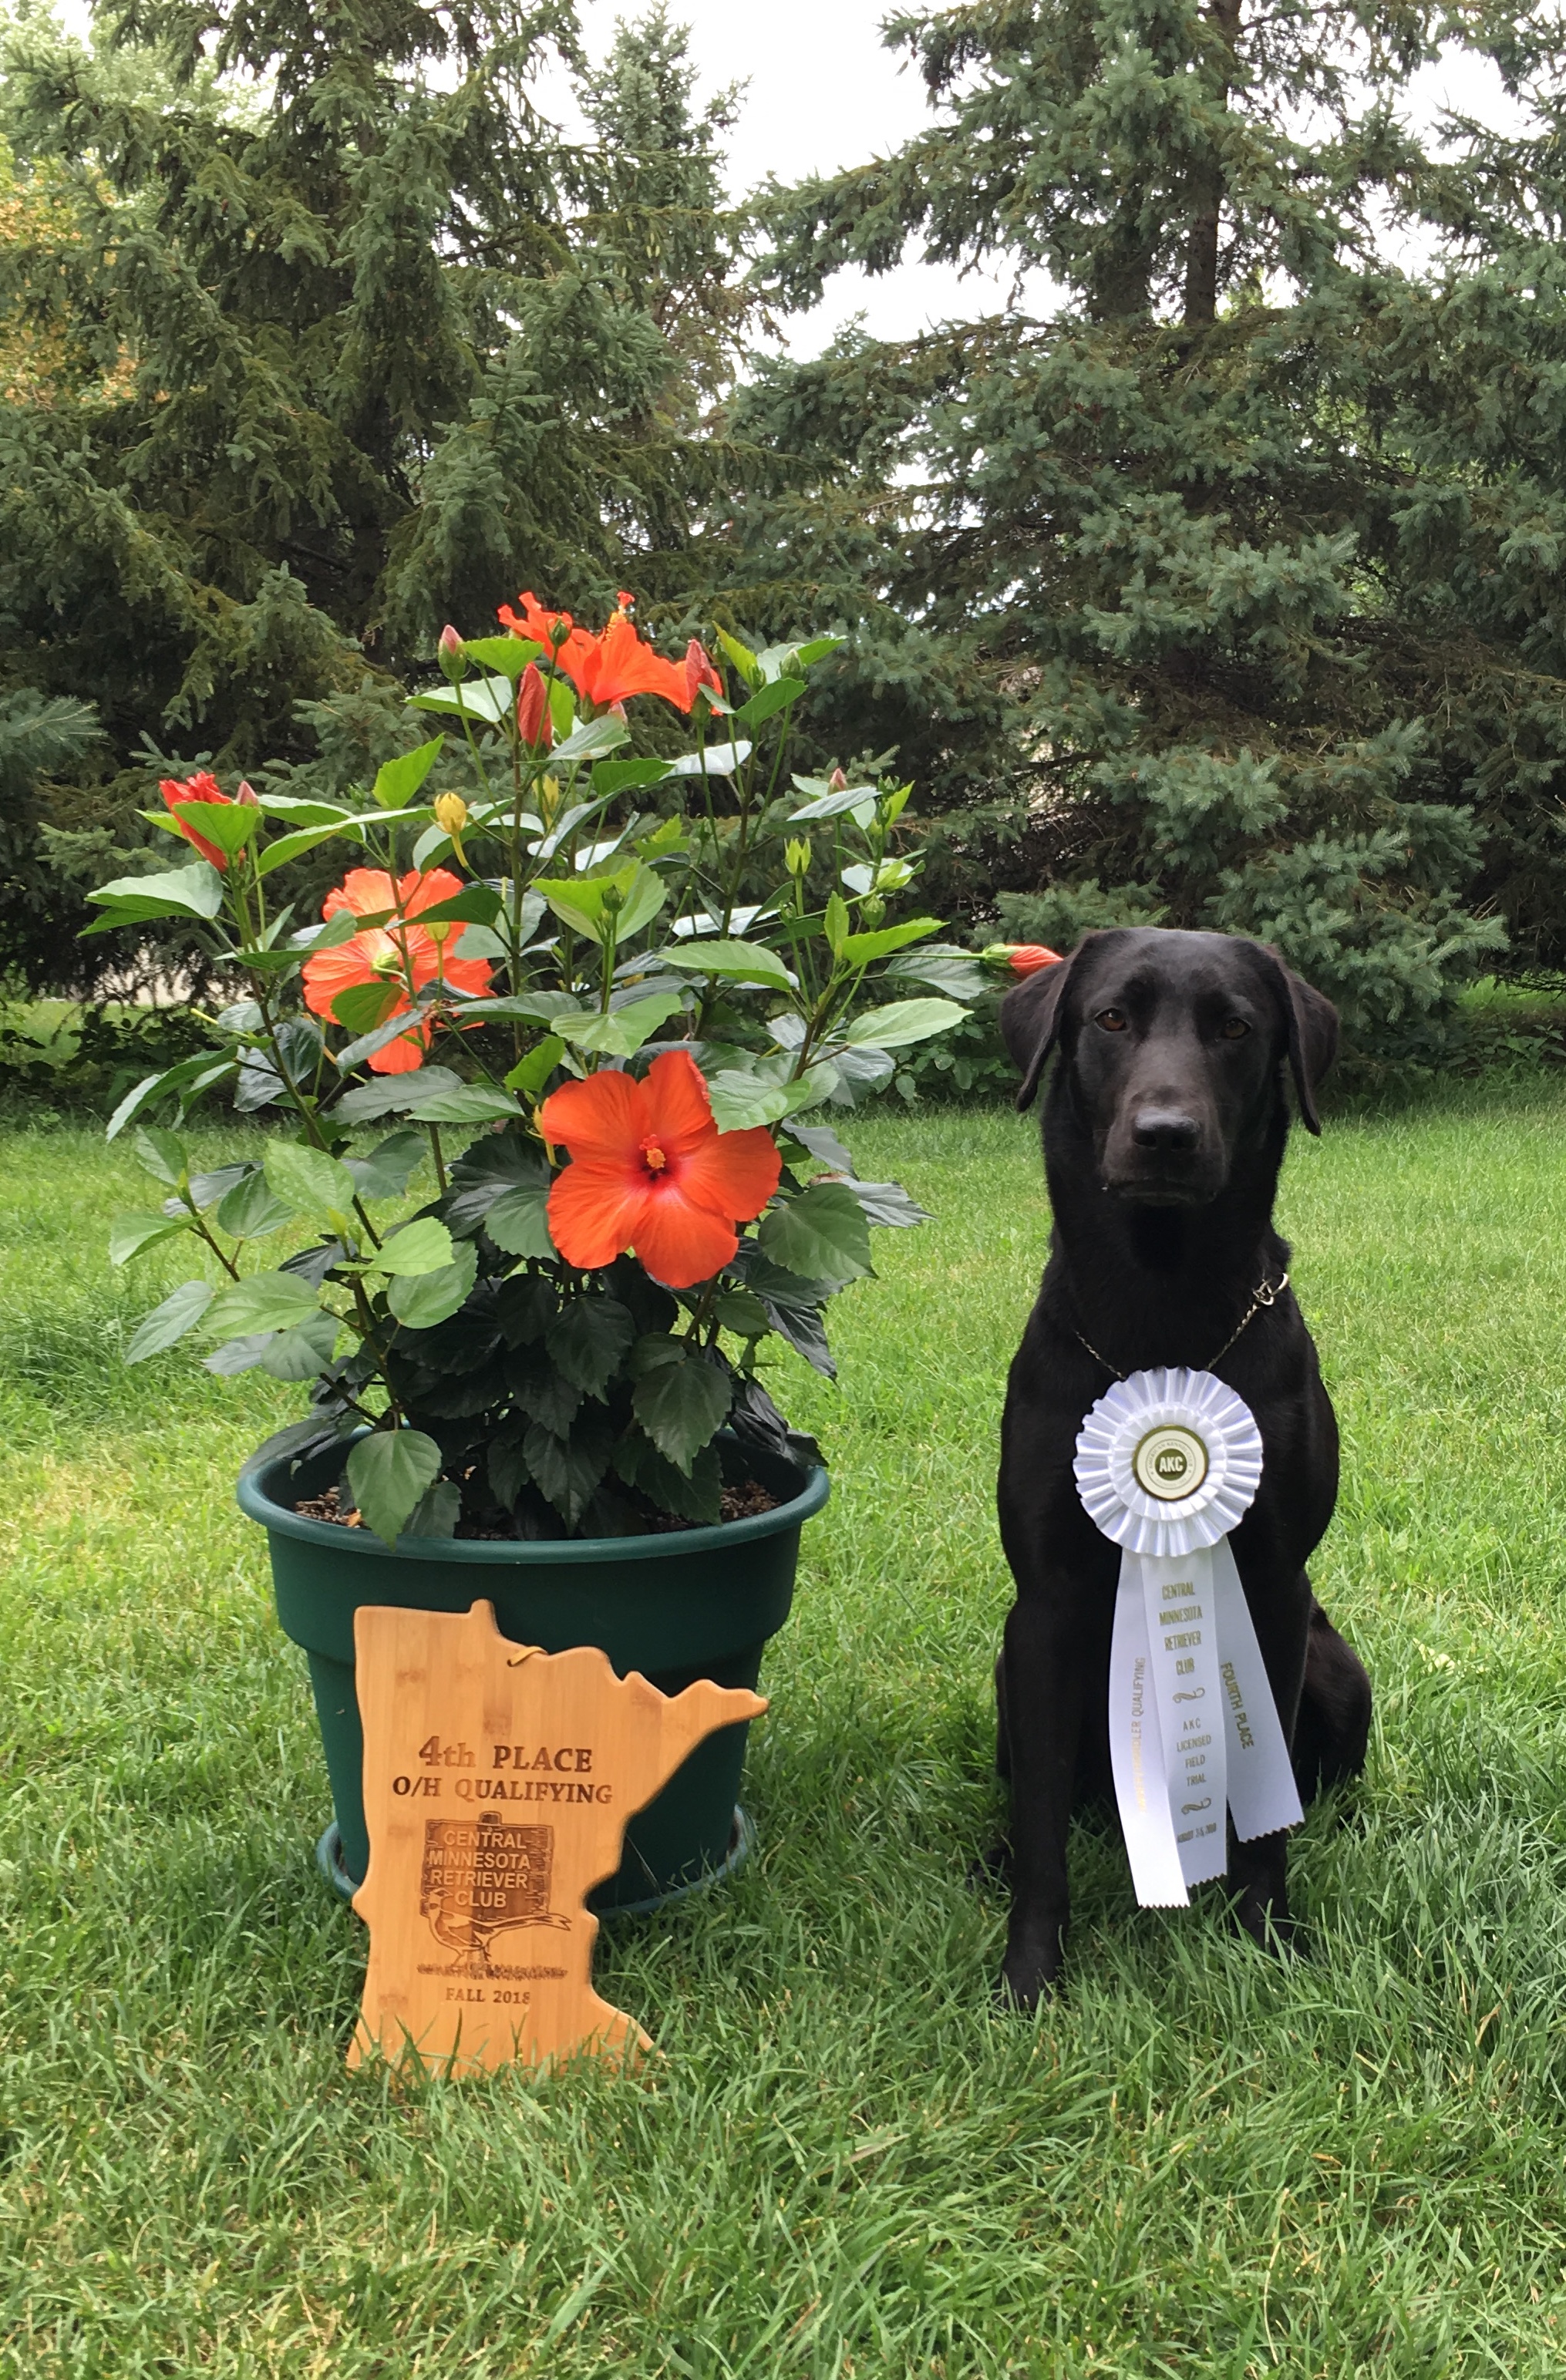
(641, 900)
(396, 781)
(293, 846)
(129, 1234)
(389, 1167)
(586, 743)
(776, 696)
(479, 942)
(562, 706)
(589, 1340)
(519, 1223)
(738, 961)
(487, 701)
(577, 901)
(713, 760)
(568, 1471)
(860, 799)
(888, 1203)
(368, 1102)
(179, 1312)
(611, 777)
(903, 1021)
(495, 1162)
(742, 1100)
(860, 949)
(311, 1183)
(303, 810)
(190, 1076)
(423, 1246)
(821, 1235)
(476, 904)
(817, 649)
(388, 1474)
(300, 1353)
(510, 655)
(437, 1512)
(530, 1074)
(526, 1305)
(340, 928)
(228, 826)
(249, 1210)
(427, 1298)
(264, 1301)
(741, 1311)
(160, 1154)
(194, 891)
(467, 1103)
(699, 1498)
(740, 657)
(621, 1033)
(363, 1006)
(681, 1406)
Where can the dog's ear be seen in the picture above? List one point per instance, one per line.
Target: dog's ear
(1030, 1021)
(1311, 1022)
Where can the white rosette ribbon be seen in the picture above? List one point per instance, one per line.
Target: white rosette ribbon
(1167, 1462)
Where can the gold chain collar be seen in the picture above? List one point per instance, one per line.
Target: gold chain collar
(1266, 1292)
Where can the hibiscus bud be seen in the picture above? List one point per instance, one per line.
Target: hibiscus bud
(796, 857)
(1019, 958)
(533, 721)
(450, 811)
(872, 909)
(699, 671)
(837, 783)
(247, 795)
(448, 649)
(549, 799)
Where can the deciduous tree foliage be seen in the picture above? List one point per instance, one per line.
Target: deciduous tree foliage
(1237, 573)
(342, 338)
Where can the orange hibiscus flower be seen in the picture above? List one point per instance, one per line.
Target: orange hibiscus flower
(399, 952)
(605, 669)
(203, 787)
(651, 1170)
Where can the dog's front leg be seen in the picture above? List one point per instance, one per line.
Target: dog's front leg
(1043, 1703)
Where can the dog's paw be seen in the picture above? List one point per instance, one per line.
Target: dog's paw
(1029, 1976)
(1272, 1927)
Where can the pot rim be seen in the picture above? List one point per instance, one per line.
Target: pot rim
(362, 1543)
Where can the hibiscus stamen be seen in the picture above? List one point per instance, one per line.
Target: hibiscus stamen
(653, 1156)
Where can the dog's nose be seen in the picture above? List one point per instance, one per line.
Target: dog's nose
(1165, 1128)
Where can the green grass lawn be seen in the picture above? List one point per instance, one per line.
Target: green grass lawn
(843, 2161)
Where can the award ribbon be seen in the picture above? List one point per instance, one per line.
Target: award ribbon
(1166, 1464)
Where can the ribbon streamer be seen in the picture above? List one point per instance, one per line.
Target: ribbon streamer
(1166, 1464)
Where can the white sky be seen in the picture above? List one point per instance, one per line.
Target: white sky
(824, 93)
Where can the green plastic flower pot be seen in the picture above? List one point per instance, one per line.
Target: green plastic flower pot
(694, 1603)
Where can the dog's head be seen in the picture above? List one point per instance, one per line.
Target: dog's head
(1174, 1047)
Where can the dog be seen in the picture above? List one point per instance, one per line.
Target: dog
(1164, 1129)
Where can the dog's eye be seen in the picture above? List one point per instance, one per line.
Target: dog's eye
(1111, 1019)
(1233, 1028)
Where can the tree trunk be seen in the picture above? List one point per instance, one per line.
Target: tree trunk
(1208, 186)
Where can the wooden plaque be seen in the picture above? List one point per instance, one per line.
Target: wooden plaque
(497, 1783)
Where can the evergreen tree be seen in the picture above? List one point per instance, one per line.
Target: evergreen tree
(344, 339)
(1236, 578)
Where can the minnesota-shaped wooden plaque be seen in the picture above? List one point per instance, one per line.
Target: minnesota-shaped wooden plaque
(497, 1783)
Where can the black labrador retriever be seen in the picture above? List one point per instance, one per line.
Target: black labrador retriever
(1164, 1130)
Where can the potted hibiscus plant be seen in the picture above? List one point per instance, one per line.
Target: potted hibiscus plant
(559, 1070)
